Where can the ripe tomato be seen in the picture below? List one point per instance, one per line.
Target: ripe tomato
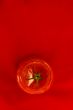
(34, 76)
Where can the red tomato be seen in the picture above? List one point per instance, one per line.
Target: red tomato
(34, 76)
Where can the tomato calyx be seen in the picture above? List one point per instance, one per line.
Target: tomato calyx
(37, 77)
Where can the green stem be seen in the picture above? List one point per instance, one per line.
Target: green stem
(36, 77)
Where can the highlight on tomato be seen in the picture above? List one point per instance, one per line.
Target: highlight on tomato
(34, 76)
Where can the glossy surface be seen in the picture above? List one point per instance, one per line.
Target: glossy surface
(34, 76)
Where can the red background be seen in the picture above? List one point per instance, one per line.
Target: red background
(42, 29)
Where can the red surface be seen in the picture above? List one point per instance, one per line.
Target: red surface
(43, 29)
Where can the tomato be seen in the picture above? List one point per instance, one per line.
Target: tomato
(34, 76)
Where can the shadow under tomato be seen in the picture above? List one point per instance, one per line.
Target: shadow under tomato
(48, 57)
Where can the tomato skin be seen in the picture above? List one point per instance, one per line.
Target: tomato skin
(22, 73)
